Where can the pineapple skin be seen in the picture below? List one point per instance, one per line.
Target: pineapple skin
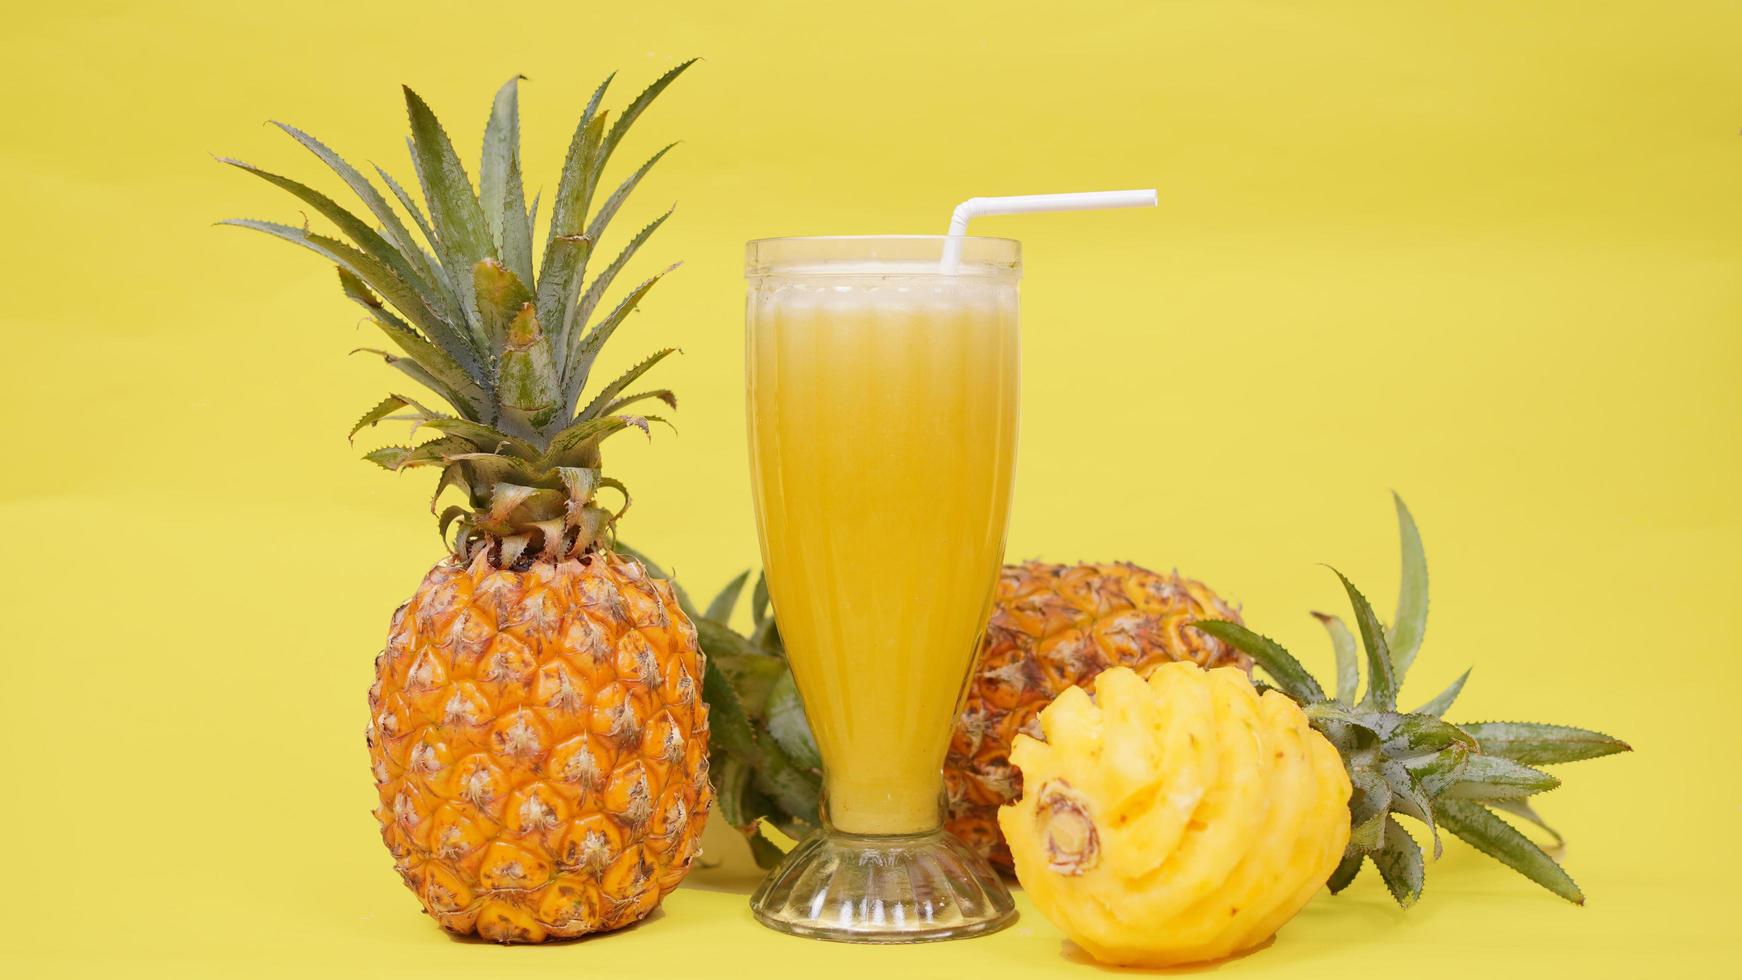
(1054, 627)
(1176, 820)
(540, 746)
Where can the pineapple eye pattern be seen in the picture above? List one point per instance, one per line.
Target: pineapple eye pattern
(531, 767)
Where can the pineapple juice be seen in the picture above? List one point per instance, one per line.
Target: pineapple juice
(882, 404)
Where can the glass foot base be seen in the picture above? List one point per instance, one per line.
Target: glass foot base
(907, 889)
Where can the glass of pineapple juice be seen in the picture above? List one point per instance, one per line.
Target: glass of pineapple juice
(882, 394)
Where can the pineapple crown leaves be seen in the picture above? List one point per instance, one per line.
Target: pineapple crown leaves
(777, 777)
(508, 347)
(1452, 777)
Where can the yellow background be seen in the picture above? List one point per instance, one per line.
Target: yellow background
(1482, 252)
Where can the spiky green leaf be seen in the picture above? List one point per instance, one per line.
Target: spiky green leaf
(1400, 864)
(665, 395)
(1423, 735)
(719, 640)
(409, 203)
(389, 457)
(413, 368)
(463, 541)
(517, 235)
(383, 281)
(485, 438)
(461, 237)
(365, 190)
(1368, 807)
(565, 260)
(587, 346)
(635, 108)
(588, 431)
(454, 210)
(580, 482)
(765, 852)
(614, 203)
(1410, 623)
(459, 308)
(1344, 874)
(617, 485)
(1523, 810)
(1348, 664)
(366, 238)
(448, 517)
(731, 778)
(1537, 744)
(608, 393)
(795, 790)
(728, 725)
(568, 213)
(387, 406)
(759, 599)
(501, 192)
(788, 726)
(527, 386)
(486, 469)
(437, 452)
(1381, 679)
(1501, 841)
(513, 501)
(721, 608)
(1490, 777)
(501, 295)
(589, 301)
(1268, 654)
(1444, 699)
(1435, 771)
(1340, 713)
(752, 676)
(567, 247)
(455, 475)
(1409, 798)
(766, 636)
(455, 384)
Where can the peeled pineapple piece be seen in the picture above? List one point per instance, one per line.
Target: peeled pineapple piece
(1175, 820)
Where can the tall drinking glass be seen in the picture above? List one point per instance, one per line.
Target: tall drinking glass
(882, 414)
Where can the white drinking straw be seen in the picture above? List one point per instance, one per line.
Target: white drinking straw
(973, 207)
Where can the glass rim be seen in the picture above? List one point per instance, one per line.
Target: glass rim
(873, 238)
(833, 256)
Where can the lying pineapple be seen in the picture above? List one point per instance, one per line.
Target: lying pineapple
(1052, 627)
(539, 739)
(1176, 820)
(1129, 836)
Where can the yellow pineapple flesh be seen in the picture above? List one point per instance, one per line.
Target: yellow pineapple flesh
(1178, 819)
(540, 746)
(1054, 627)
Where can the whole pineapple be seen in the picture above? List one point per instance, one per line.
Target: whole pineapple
(1187, 818)
(1054, 627)
(538, 735)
